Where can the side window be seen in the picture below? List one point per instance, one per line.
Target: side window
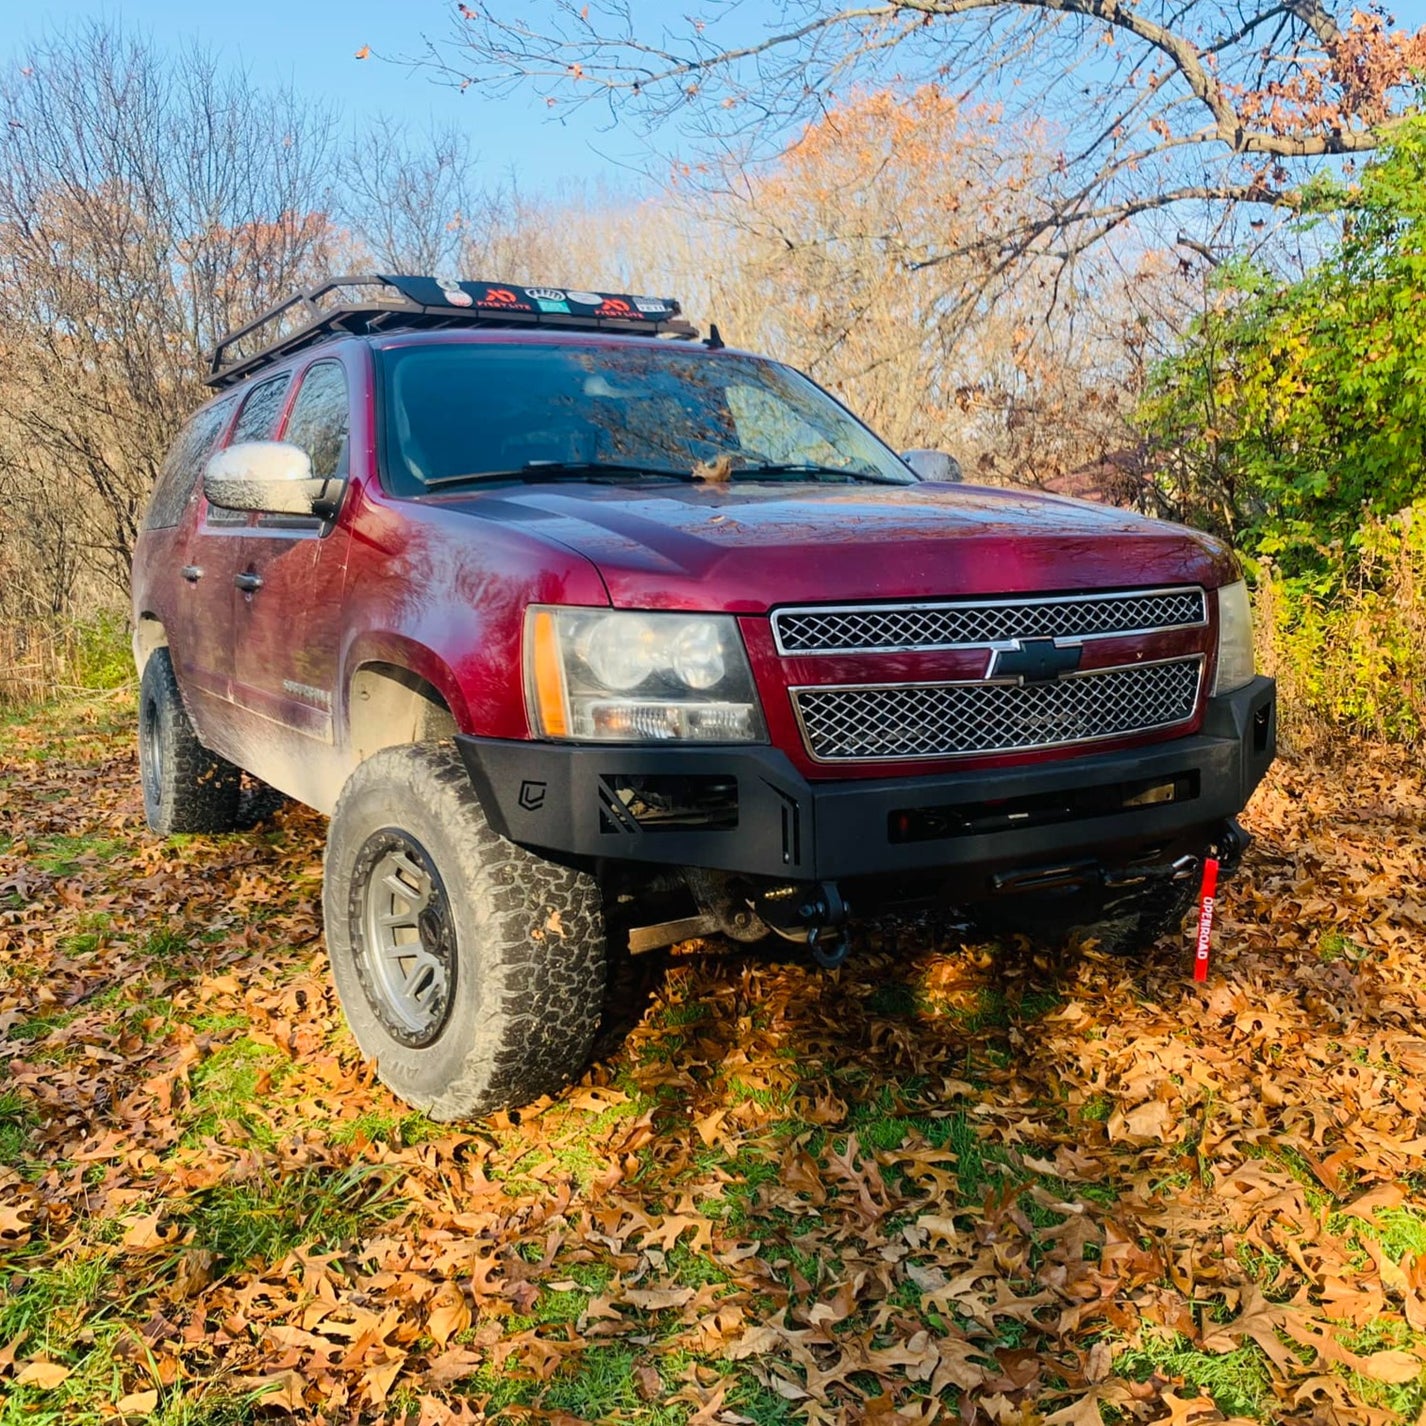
(259, 413)
(179, 474)
(317, 423)
(255, 423)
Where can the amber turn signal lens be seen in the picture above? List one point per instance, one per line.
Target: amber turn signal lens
(549, 677)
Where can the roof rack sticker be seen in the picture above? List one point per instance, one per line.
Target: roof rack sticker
(454, 293)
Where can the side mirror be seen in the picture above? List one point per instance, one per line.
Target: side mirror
(271, 476)
(933, 465)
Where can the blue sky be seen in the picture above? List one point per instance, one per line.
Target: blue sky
(311, 44)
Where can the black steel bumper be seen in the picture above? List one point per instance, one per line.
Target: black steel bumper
(748, 810)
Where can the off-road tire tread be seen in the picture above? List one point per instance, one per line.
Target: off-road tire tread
(540, 957)
(199, 791)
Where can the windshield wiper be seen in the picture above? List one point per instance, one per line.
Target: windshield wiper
(809, 468)
(535, 471)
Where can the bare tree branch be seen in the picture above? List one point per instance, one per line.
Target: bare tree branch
(1189, 74)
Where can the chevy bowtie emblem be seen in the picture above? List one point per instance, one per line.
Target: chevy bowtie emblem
(1034, 661)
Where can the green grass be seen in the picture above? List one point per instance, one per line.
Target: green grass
(1035, 1003)
(1405, 1399)
(164, 946)
(882, 1132)
(81, 943)
(41, 1027)
(1318, 1199)
(603, 1388)
(810, 1266)
(577, 1152)
(217, 1024)
(738, 1089)
(761, 1404)
(1264, 1267)
(1400, 1231)
(1238, 1381)
(747, 1171)
(976, 1164)
(152, 1020)
(264, 1219)
(688, 1012)
(592, 1277)
(499, 1389)
(94, 930)
(51, 1304)
(1333, 945)
(1069, 1191)
(17, 1119)
(694, 1269)
(988, 1013)
(400, 1129)
(556, 1307)
(226, 1093)
(894, 998)
(61, 855)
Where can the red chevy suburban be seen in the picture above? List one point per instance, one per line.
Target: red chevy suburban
(575, 623)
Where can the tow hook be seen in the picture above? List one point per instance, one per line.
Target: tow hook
(1233, 841)
(825, 914)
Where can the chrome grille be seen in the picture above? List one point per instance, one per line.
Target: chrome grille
(945, 720)
(891, 627)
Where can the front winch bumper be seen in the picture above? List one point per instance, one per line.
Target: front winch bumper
(747, 810)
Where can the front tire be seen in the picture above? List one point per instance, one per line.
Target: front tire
(471, 970)
(186, 787)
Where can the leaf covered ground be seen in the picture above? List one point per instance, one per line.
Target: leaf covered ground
(950, 1181)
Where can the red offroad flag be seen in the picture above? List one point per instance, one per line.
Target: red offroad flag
(1205, 917)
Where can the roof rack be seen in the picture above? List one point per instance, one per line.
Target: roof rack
(375, 303)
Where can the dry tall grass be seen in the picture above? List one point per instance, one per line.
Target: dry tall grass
(39, 661)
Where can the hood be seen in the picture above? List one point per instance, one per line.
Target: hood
(745, 548)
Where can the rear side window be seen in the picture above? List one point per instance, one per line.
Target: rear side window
(185, 460)
(259, 414)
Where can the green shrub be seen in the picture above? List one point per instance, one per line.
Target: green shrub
(1351, 651)
(1293, 410)
(102, 657)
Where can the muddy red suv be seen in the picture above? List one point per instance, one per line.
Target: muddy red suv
(579, 626)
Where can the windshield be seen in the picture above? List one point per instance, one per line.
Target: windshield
(519, 410)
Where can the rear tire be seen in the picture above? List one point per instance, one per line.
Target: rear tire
(471, 970)
(186, 787)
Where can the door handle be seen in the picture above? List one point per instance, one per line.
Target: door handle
(248, 583)
(192, 573)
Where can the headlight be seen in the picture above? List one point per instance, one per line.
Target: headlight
(624, 676)
(1235, 639)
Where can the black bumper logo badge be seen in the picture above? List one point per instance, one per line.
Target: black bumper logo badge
(532, 795)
